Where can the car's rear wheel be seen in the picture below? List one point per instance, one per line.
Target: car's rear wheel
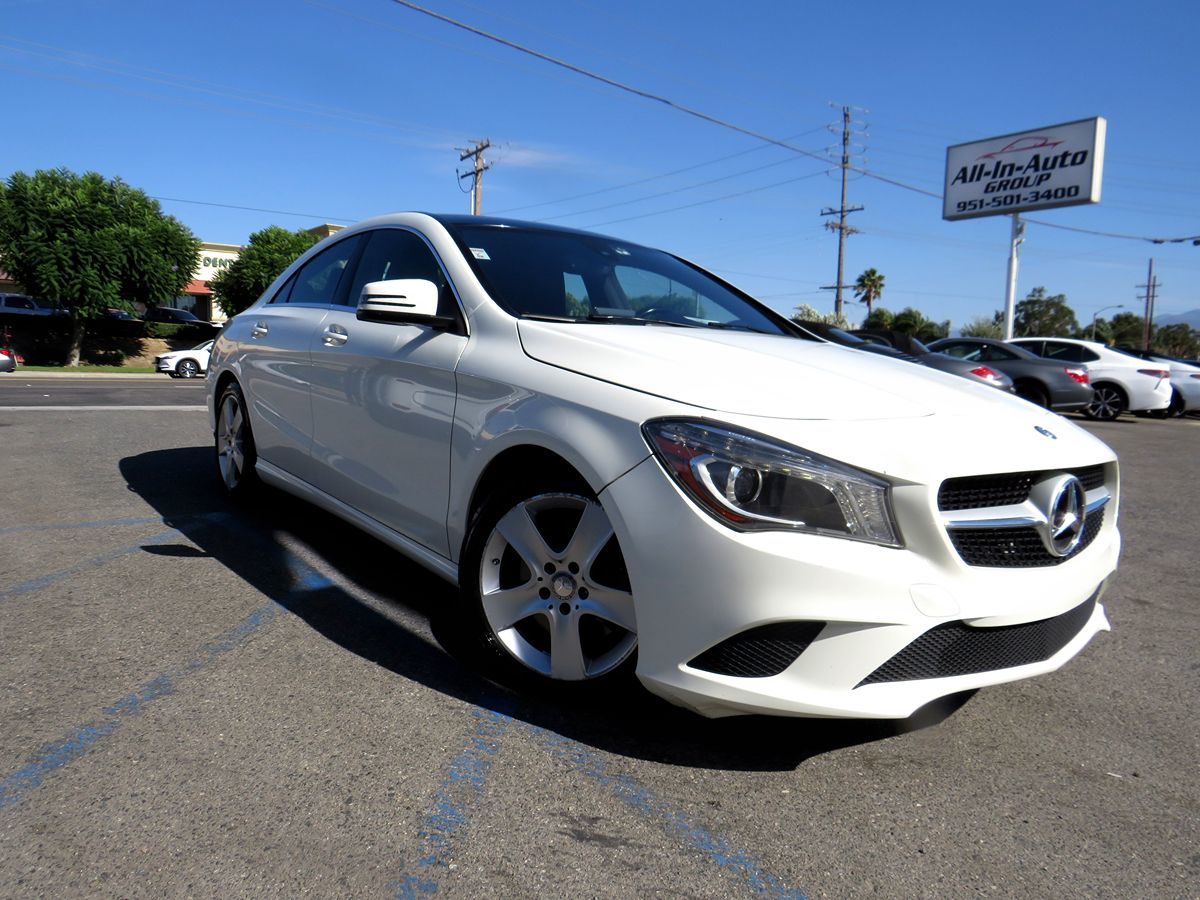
(1108, 402)
(187, 368)
(545, 581)
(1033, 392)
(236, 454)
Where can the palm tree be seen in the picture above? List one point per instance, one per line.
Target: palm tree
(868, 288)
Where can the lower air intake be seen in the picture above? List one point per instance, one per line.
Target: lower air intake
(956, 648)
(760, 652)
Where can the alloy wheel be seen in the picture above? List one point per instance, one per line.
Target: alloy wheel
(554, 589)
(231, 456)
(1106, 403)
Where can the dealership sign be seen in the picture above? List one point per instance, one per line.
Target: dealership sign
(1056, 166)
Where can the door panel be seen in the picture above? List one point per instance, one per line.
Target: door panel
(276, 364)
(383, 400)
(383, 406)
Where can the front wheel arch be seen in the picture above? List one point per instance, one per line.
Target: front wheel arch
(592, 612)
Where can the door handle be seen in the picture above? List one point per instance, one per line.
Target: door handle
(334, 336)
(259, 329)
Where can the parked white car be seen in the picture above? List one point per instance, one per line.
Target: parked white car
(625, 463)
(1185, 382)
(185, 363)
(1120, 382)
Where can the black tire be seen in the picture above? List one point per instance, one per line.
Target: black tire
(187, 368)
(1034, 393)
(233, 443)
(1177, 406)
(1108, 402)
(557, 614)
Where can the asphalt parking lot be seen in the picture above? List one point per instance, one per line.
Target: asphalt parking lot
(199, 700)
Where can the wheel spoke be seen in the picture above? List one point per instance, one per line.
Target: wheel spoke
(506, 607)
(566, 651)
(612, 606)
(518, 529)
(591, 534)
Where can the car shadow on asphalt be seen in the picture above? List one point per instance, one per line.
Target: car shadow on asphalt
(254, 542)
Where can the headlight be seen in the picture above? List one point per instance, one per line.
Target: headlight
(753, 483)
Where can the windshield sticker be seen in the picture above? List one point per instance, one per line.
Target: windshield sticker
(479, 253)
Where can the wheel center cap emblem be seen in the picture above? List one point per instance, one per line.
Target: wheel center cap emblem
(563, 586)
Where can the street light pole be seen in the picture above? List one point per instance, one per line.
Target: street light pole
(1100, 310)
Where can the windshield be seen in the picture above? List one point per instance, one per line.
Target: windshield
(579, 277)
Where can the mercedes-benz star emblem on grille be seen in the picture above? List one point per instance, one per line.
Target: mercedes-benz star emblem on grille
(1065, 516)
(1046, 431)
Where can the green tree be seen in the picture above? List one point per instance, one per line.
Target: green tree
(868, 288)
(1041, 316)
(983, 327)
(1125, 330)
(90, 243)
(880, 319)
(912, 321)
(269, 252)
(1177, 340)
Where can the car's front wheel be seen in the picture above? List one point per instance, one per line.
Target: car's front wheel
(1107, 403)
(234, 440)
(545, 581)
(187, 368)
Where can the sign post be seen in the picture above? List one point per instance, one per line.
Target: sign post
(1060, 165)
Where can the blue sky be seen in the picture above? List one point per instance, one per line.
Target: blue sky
(337, 110)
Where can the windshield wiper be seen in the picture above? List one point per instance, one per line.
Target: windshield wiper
(736, 326)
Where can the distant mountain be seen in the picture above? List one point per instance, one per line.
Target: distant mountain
(1191, 318)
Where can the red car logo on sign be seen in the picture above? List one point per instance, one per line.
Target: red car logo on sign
(1022, 144)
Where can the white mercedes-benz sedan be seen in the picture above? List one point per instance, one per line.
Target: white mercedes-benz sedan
(627, 464)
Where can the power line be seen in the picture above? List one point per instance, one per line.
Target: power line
(276, 212)
(629, 184)
(667, 193)
(765, 187)
(722, 123)
(579, 70)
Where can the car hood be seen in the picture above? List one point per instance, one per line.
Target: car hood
(759, 375)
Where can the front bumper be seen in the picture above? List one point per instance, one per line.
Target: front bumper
(697, 584)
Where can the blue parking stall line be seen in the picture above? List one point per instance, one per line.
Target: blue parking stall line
(465, 781)
(18, 785)
(713, 846)
(44, 581)
(461, 790)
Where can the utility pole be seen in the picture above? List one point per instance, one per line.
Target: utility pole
(841, 212)
(476, 175)
(1151, 288)
(1016, 238)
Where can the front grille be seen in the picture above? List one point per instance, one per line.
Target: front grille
(759, 652)
(956, 648)
(1008, 489)
(1016, 548)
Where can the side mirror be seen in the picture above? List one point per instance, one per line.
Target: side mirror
(409, 300)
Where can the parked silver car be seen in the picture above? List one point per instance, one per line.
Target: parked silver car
(1060, 386)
